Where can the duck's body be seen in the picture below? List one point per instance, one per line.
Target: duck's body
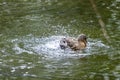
(74, 44)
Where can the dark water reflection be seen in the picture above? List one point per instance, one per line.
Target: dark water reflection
(29, 40)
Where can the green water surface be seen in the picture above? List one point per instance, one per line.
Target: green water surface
(30, 31)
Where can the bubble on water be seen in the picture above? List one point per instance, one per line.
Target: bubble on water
(13, 70)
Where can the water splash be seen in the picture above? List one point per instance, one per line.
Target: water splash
(49, 47)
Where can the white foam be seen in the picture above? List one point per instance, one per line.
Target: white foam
(49, 47)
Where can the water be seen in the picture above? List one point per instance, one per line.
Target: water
(30, 32)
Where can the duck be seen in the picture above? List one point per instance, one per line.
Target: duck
(74, 44)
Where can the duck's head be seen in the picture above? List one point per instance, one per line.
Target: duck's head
(63, 43)
(82, 38)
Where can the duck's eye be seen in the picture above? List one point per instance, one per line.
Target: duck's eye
(63, 41)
